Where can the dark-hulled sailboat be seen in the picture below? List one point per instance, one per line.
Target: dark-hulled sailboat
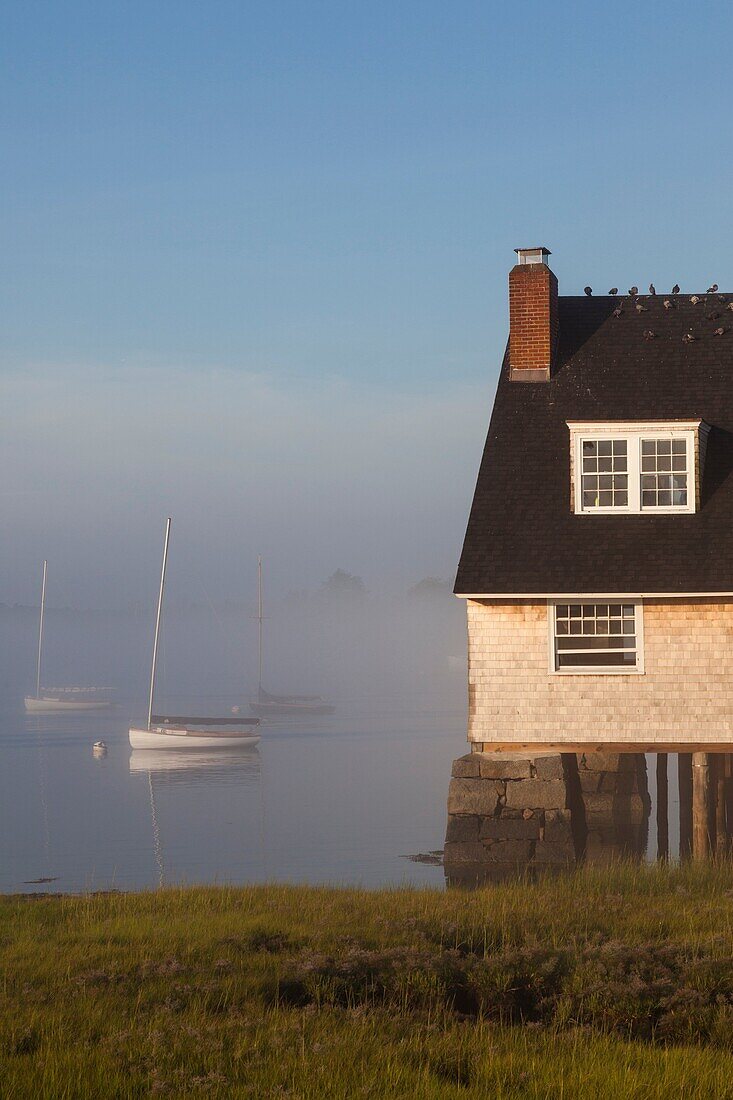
(281, 706)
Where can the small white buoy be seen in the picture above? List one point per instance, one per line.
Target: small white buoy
(100, 749)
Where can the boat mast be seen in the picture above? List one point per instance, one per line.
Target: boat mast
(259, 624)
(40, 631)
(157, 621)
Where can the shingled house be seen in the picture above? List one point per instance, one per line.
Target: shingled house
(597, 566)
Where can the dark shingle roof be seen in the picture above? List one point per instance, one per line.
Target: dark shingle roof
(522, 536)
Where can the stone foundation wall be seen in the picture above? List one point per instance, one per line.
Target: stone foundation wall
(508, 811)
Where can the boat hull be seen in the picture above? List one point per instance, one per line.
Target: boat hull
(50, 706)
(165, 737)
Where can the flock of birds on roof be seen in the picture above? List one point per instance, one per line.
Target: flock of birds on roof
(669, 303)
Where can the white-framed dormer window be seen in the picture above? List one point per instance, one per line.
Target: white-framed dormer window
(626, 467)
(596, 638)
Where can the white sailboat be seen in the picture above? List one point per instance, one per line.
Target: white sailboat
(54, 700)
(182, 731)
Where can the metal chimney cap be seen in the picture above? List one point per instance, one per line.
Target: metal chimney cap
(537, 255)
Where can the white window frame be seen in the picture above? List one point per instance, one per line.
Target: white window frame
(633, 433)
(597, 670)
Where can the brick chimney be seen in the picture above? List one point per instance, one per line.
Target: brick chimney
(532, 316)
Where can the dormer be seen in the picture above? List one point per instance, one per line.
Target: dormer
(643, 467)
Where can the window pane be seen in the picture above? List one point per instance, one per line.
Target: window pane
(595, 636)
(659, 458)
(604, 476)
(599, 659)
(598, 641)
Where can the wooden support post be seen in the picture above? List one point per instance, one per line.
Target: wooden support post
(701, 805)
(662, 807)
(721, 840)
(684, 771)
(729, 796)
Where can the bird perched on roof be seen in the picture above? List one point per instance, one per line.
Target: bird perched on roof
(712, 289)
(688, 338)
(721, 331)
(668, 304)
(713, 315)
(730, 305)
(618, 312)
(613, 291)
(676, 288)
(648, 334)
(694, 299)
(588, 290)
(640, 308)
(652, 290)
(633, 290)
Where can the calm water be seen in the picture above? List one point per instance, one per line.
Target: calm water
(340, 799)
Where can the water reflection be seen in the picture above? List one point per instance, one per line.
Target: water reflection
(185, 766)
(182, 768)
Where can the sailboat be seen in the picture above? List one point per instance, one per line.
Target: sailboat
(50, 700)
(183, 731)
(281, 705)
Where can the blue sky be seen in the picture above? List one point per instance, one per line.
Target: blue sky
(283, 230)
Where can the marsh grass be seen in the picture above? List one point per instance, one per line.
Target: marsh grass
(617, 982)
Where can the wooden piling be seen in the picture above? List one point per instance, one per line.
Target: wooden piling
(701, 805)
(721, 839)
(729, 798)
(662, 807)
(684, 778)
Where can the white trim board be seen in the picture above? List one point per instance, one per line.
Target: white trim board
(608, 427)
(590, 596)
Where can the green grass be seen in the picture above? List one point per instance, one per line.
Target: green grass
(608, 983)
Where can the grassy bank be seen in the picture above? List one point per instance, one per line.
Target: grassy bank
(616, 983)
